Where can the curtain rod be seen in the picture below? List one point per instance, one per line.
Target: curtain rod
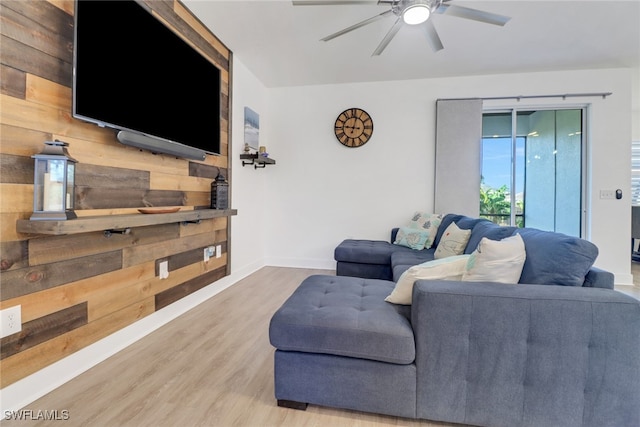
(563, 96)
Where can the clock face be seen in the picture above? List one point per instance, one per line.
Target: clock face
(353, 127)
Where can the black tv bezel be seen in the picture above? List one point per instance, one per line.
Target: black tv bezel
(160, 144)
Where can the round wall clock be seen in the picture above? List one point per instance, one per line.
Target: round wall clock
(354, 127)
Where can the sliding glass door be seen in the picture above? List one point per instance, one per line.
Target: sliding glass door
(533, 169)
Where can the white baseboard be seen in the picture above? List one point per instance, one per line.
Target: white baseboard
(623, 279)
(319, 264)
(36, 385)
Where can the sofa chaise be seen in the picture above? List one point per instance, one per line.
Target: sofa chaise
(539, 353)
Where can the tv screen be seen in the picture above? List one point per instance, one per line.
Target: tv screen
(133, 73)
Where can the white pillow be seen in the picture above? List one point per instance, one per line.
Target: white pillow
(496, 261)
(453, 241)
(450, 268)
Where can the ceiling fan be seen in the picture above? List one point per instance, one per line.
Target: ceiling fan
(410, 12)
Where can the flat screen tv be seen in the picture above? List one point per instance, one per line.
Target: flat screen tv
(133, 74)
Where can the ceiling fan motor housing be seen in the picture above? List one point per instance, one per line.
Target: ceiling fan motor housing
(400, 6)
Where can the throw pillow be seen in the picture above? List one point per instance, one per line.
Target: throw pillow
(555, 258)
(411, 237)
(453, 242)
(496, 261)
(451, 268)
(428, 222)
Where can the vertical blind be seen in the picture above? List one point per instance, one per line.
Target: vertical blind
(458, 144)
(635, 173)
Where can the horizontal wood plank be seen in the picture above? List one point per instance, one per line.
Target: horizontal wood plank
(22, 364)
(138, 254)
(45, 328)
(16, 198)
(12, 82)
(14, 283)
(206, 171)
(91, 290)
(106, 301)
(16, 169)
(14, 254)
(118, 222)
(96, 176)
(206, 226)
(8, 222)
(163, 299)
(59, 248)
(45, 91)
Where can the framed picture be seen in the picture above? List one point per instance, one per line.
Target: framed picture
(251, 128)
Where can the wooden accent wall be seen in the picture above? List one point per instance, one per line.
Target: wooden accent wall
(77, 289)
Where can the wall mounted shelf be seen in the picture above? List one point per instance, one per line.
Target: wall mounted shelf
(117, 222)
(257, 160)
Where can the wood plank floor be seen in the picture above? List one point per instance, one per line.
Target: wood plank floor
(213, 366)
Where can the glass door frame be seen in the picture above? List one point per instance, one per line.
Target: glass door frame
(585, 174)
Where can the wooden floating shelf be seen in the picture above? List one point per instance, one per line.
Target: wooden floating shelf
(116, 222)
(256, 160)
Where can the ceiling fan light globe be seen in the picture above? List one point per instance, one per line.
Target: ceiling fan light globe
(416, 14)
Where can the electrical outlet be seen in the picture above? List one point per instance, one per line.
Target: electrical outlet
(10, 321)
(218, 251)
(209, 251)
(163, 269)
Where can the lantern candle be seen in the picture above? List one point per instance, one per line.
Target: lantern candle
(54, 181)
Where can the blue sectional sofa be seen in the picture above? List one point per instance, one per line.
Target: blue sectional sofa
(548, 253)
(549, 351)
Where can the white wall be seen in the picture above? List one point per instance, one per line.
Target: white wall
(321, 192)
(249, 190)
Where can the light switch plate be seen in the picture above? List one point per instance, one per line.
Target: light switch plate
(607, 194)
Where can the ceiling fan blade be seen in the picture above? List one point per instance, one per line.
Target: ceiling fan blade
(390, 35)
(473, 14)
(358, 25)
(330, 2)
(432, 36)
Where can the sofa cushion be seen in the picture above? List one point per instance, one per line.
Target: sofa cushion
(364, 251)
(453, 242)
(428, 222)
(496, 261)
(555, 258)
(345, 316)
(413, 238)
(463, 222)
(403, 260)
(490, 230)
(449, 268)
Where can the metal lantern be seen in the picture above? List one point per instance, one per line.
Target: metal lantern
(219, 193)
(54, 183)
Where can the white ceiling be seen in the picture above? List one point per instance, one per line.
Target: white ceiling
(280, 43)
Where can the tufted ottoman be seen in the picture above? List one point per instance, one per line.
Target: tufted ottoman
(329, 316)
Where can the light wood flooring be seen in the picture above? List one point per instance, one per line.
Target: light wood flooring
(634, 290)
(213, 366)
